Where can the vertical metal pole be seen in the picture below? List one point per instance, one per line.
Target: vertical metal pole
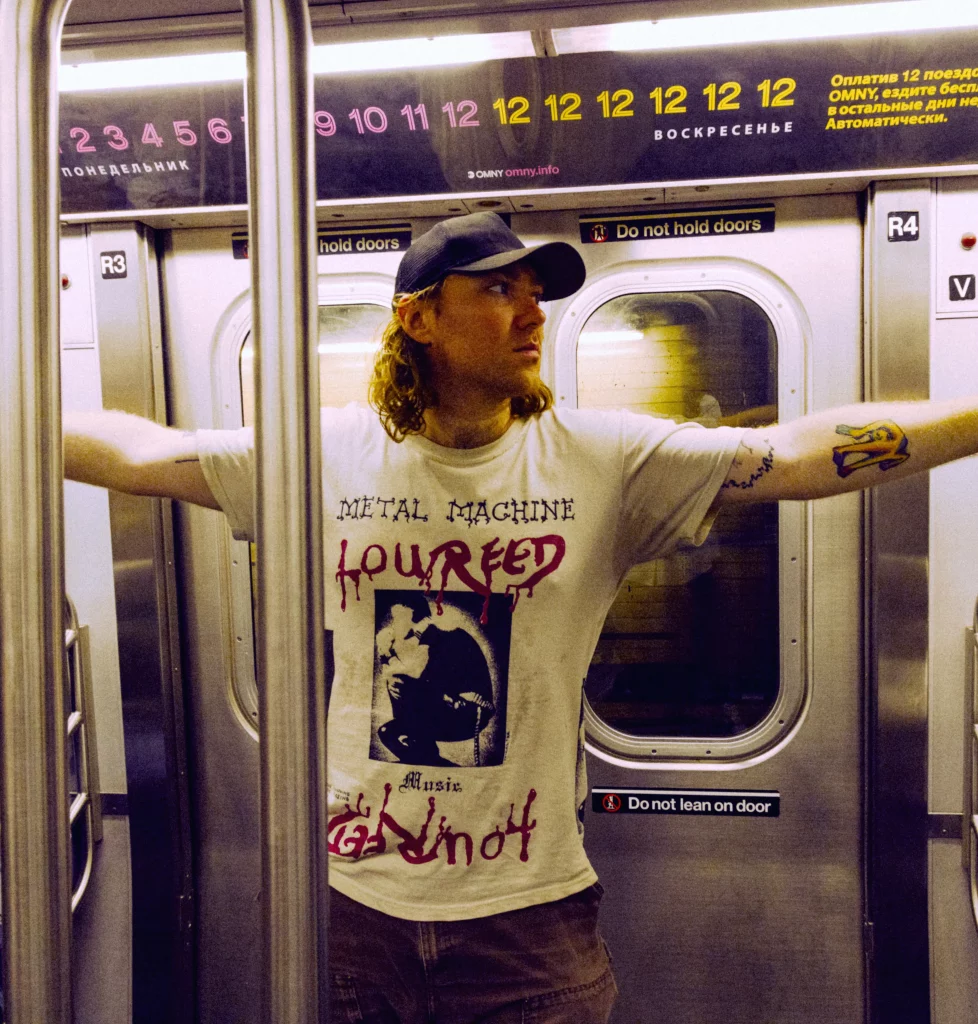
(289, 520)
(33, 789)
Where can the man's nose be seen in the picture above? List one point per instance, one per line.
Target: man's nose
(532, 313)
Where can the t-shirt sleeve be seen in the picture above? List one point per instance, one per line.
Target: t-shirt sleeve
(671, 474)
(227, 458)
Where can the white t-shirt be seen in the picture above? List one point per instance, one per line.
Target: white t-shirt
(466, 590)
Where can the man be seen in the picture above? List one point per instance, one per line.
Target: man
(466, 596)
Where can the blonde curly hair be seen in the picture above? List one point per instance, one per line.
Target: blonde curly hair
(400, 385)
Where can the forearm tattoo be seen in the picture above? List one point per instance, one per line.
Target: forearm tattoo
(881, 444)
(746, 471)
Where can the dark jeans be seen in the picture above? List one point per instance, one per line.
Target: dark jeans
(545, 964)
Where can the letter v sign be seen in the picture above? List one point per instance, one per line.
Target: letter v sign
(962, 287)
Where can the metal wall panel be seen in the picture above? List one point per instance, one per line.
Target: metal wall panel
(127, 310)
(102, 925)
(898, 352)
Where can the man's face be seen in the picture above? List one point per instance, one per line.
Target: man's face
(485, 333)
(400, 652)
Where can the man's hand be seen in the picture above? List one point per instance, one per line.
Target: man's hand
(135, 456)
(849, 449)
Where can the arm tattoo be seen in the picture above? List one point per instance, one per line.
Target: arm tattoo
(881, 444)
(764, 466)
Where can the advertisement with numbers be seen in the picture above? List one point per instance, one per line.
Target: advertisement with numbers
(544, 123)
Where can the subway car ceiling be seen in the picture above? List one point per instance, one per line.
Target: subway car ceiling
(114, 29)
(84, 14)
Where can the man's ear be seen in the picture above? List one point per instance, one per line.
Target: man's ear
(417, 319)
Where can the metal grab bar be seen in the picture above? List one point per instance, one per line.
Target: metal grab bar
(33, 788)
(80, 734)
(292, 715)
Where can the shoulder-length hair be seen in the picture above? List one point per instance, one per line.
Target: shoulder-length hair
(401, 388)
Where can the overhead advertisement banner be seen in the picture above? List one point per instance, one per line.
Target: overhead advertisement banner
(573, 121)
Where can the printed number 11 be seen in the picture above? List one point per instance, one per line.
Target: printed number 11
(409, 113)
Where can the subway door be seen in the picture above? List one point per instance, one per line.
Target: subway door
(724, 703)
(210, 360)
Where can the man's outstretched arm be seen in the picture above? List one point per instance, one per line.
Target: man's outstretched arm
(849, 448)
(135, 456)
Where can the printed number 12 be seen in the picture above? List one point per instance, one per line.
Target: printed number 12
(518, 106)
(467, 111)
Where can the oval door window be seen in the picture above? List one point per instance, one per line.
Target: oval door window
(349, 337)
(690, 647)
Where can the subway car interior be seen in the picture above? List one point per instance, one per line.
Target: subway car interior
(777, 205)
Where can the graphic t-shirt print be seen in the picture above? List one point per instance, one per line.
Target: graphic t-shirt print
(441, 672)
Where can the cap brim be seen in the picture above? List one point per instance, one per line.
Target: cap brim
(558, 264)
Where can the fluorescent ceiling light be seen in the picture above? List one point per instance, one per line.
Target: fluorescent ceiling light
(769, 26)
(609, 337)
(420, 53)
(335, 348)
(129, 74)
(332, 348)
(229, 67)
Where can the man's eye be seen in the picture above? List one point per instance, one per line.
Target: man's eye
(501, 287)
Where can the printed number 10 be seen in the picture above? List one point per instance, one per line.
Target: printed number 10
(373, 117)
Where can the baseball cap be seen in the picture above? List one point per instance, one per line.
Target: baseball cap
(480, 242)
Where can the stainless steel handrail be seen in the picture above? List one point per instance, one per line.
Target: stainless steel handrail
(33, 790)
(81, 732)
(289, 510)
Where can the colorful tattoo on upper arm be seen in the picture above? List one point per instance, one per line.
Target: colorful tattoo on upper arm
(754, 471)
(881, 444)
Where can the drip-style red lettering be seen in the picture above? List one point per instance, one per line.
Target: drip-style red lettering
(540, 546)
(342, 573)
(418, 847)
(525, 827)
(416, 568)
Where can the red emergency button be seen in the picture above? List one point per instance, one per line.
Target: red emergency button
(968, 241)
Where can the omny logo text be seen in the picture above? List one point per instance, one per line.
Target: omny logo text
(715, 802)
